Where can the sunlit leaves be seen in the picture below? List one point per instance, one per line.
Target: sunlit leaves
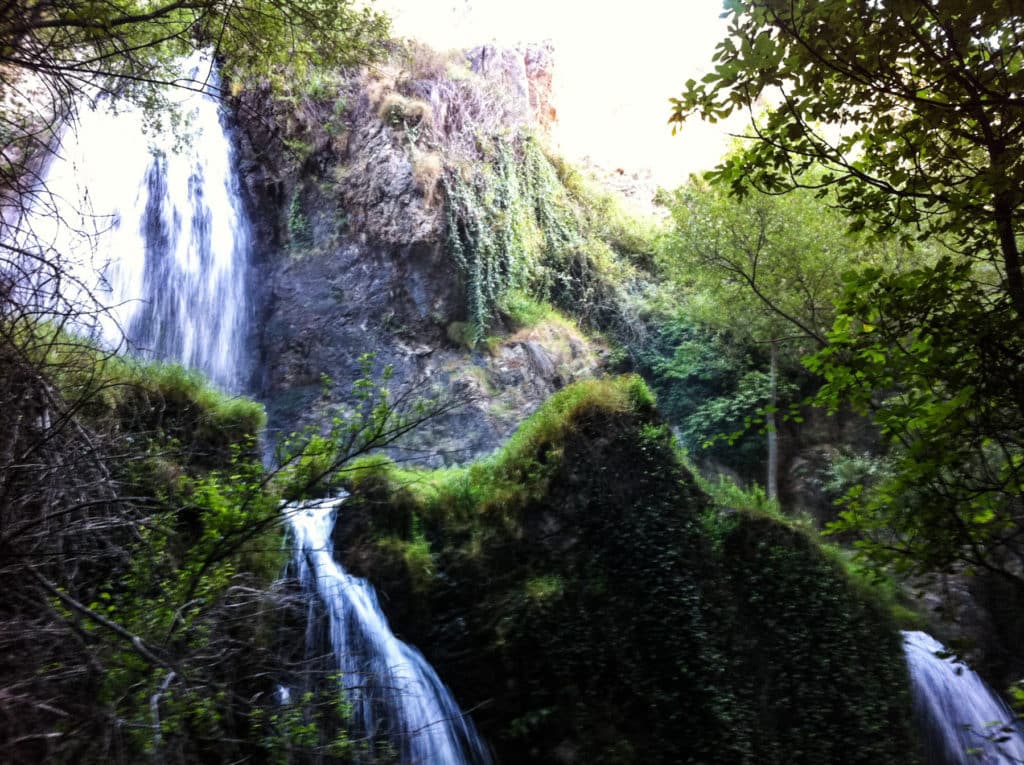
(914, 108)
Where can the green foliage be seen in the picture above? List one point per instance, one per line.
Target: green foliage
(313, 464)
(187, 588)
(194, 539)
(165, 567)
(593, 596)
(297, 726)
(728, 418)
(814, 624)
(761, 271)
(726, 494)
(851, 469)
(300, 236)
(516, 225)
(708, 385)
(929, 150)
(165, 403)
(936, 360)
(762, 267)
(521, 310)
(521, 468)
(130, 41)
(923, 95)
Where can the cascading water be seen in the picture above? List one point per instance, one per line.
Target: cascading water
(152, 226)
(963, 721)
(392, 688)
(153, 229)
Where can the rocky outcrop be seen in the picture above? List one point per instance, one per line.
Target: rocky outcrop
(382, 189)
(349, 211)
(526, 72)
(583, 598)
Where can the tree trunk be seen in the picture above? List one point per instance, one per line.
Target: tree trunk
(1011, 254)
(773, 436)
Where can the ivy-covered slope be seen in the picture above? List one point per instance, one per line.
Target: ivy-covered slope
(584, 598)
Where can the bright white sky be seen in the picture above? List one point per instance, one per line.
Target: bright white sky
(616, 66)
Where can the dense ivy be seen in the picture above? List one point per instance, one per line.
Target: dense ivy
(519, 220)
(584, 590)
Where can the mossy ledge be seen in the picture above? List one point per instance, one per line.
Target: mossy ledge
(578, 595)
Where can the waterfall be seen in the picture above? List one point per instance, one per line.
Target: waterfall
(150, 223)
(962, 720)
(392, 689)
(152, 245)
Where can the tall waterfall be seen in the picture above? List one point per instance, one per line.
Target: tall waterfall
(151, 224)
(392, 688)
(963, 721)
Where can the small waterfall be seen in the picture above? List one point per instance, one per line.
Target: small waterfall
(392, 688)
(963, 721)
(151, 224)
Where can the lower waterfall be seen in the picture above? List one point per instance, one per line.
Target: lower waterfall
(962, 721)
(393, 691)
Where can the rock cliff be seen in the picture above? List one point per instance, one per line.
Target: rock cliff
(347, 181)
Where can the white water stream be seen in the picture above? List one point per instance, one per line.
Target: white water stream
(962, 720)
(152, 228)
(151, 225)
(394, 692)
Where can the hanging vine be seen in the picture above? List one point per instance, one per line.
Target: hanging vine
(513, 224)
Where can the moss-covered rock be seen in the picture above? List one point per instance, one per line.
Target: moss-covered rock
(575, 599)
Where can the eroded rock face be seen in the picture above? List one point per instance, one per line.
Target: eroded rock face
(383, 202)
(353, 260)
(526, 71)
(540, 67)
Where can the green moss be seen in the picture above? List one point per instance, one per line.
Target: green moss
(803, 630)
(598, 600)
(152, 401)
(522, 310)
(544, 588)
(873, 585)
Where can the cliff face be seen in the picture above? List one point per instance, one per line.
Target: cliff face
(348, 187)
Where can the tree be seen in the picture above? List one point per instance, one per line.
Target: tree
(764, 268)
(914, 109)
(937, 363)
(74, 44)
(134, 509)
(139, 541)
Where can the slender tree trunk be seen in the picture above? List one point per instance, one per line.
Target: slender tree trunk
(1011, 254)
(773, 436)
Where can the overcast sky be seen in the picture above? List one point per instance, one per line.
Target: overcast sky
(616, 66)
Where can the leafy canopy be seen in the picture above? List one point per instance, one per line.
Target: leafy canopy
(948, 360)
(76, 41)
(913, 106)
(762, 267)
(914, 109)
